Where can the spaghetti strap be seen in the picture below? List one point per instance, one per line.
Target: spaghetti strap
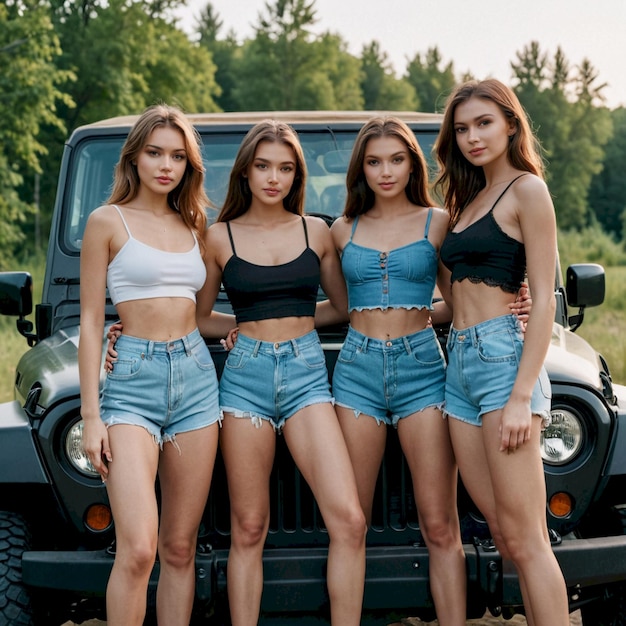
(428, 218)
(354, 223)
(306, 232)
(123, 220)
(230, 236)
(505, 190)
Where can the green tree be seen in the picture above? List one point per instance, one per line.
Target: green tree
(431, 81)
(224, 52)
(30, 91)
(571, 127)
(607, 192)
(381, 89)
(285, 67)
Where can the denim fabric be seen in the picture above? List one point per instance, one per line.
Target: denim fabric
(273, 381)
(483, 361)
(390, 379)
(166, 387)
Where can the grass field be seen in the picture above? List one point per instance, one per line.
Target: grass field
(604, 328)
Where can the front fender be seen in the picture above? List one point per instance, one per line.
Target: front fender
(19, 460)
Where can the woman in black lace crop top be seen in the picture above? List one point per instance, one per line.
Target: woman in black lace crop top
(497, 393)
(272, 259)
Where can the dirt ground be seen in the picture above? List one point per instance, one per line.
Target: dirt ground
(487, 620)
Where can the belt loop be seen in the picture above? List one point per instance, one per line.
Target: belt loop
(255, 350)
(150, 349)
(407, 345)
(474, 335)
(296, 348)
(364, 344)
(186, 345)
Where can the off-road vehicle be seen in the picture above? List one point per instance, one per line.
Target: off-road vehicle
(56, 529)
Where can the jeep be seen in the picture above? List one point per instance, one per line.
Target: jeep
(57, 534)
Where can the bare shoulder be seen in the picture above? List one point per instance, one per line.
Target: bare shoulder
(439, 225)
(317, 228)
(440, 217)
(105, 218)
(215, 235)
(530, 187)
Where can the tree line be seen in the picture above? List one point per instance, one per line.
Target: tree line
(64, 63)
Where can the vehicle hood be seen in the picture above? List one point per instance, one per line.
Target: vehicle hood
(52, 366)
(571, 359)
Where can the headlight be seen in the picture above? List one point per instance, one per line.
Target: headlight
(75, 452)
(563, 439)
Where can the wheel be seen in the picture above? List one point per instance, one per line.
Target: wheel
(15, 605)
(610, 610)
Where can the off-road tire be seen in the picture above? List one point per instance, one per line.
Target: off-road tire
(15, 607)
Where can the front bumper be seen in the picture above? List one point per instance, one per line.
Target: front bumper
(397, 577)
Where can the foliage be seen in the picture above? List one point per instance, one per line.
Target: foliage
(30, 89)
(572, 130)
(431, 82)
(607, 192)
(590, 245)
(381, 89)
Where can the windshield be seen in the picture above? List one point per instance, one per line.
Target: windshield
(326, 153)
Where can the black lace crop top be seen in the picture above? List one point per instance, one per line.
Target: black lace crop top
(484, 253)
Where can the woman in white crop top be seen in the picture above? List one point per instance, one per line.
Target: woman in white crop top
(145, 244)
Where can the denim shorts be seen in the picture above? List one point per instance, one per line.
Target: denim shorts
(270, 381)
(167, 387)
(390, 380)
(482, 366)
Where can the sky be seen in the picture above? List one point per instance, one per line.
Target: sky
(478, 36)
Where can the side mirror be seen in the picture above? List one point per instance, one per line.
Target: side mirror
(16, 294)
(584, 286)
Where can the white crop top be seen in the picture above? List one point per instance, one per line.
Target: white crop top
(140, 271)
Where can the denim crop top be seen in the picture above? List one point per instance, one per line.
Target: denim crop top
(403, 278)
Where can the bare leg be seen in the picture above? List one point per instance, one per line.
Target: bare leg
(425, 440)
(365, 439)
(185, 478)
(132, 496)
(248, 456)
(316, 443)
(516, 509)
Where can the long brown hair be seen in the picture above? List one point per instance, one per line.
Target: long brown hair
(239, 197)
(458, 179)
(189, 197)
(360, 198)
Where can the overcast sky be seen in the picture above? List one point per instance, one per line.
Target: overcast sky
(479, 36)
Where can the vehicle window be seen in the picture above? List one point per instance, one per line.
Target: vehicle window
(326, 153)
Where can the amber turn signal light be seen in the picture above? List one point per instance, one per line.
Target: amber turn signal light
(98, 517)
(560, 504)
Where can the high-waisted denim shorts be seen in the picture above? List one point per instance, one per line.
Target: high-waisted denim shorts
(482, 366)
(273, 381)
(167, 387)
(390, 380)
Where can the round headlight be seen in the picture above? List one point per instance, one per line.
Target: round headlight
(563, 439)
(75, 452)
